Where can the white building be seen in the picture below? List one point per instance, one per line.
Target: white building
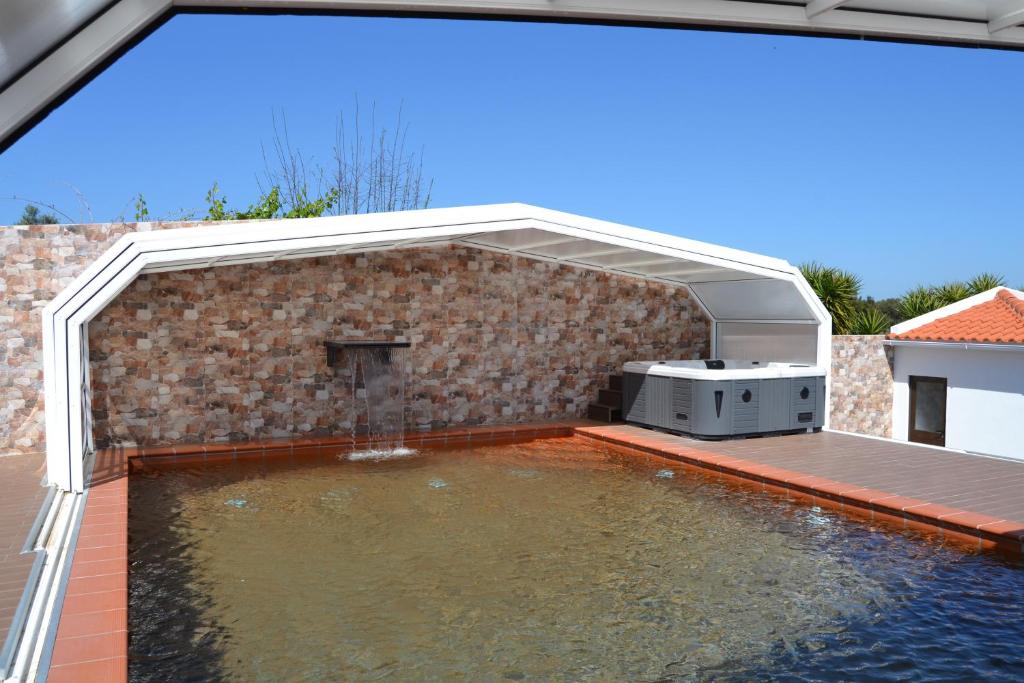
(959, 375)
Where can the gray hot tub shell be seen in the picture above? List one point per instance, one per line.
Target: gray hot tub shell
(718, 399)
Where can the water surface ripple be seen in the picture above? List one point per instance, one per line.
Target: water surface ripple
(548, 561)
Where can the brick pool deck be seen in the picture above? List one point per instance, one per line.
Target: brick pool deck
(967, 499)
(21, 495)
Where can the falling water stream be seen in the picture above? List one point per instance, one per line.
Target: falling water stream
(378, 379)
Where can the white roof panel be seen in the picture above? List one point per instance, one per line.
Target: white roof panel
(48, 48)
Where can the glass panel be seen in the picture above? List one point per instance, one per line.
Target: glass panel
(930, 406)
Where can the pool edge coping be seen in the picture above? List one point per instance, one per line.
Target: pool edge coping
(962, 526)
(91, 642)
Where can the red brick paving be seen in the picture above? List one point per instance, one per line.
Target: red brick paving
(92, 634)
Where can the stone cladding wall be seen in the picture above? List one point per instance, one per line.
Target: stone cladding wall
(862, 385)
(236, 352)
(38, 262)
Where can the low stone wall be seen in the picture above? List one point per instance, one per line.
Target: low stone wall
(236, 352)
(861, 385)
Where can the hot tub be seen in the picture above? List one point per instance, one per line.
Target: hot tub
(716, 399)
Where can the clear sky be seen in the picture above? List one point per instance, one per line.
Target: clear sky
(902, 163)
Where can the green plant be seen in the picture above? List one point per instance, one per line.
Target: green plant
(141, 209)
(918, 301)
(871, 321)
(270, 205)
(838, 290)
(921, 299)
(984, 282)
(32, 216)
(951, 292)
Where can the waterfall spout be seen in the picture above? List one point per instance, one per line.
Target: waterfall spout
(378, 383)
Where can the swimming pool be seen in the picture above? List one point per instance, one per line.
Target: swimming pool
(550, 560)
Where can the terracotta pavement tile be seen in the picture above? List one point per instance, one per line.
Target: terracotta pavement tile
(931, 510)
(96, 584)
(776, 473)
(1005, 512)
(866, 495)
(81, 568)
(92, 529)
(156, 451)
(1005, 526)
(752, 468)
(251, 454)
(89, 648)
(969, 519)
(107, 495)
(95, 602)
(100, 554)
(92, 623)
(806, 480)
(900, 503)
(104, 540)
(303, 451)
(503, 429)
(114, 670)
(103, 514)
(833, 487)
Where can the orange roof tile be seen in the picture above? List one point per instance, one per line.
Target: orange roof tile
(997, 321)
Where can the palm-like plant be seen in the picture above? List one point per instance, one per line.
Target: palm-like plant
(871, 321)
(951, 292)
(838, 290)
(921, 300)
(984, 282)
(918, 301)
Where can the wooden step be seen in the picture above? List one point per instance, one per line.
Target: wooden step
(604, 413)
(615, 382)
(610, 397)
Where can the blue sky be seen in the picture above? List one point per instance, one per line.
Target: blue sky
(902, 163)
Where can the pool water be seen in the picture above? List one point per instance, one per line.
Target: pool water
(553, 560)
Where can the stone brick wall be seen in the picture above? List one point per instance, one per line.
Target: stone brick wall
(236, 352)
(862, 385)
(38, 261)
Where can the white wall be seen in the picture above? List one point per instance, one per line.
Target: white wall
(984, 400)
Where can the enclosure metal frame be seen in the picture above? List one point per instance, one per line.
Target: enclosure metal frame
(66, 317)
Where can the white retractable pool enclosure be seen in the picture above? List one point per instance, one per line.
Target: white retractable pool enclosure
(759, 307)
